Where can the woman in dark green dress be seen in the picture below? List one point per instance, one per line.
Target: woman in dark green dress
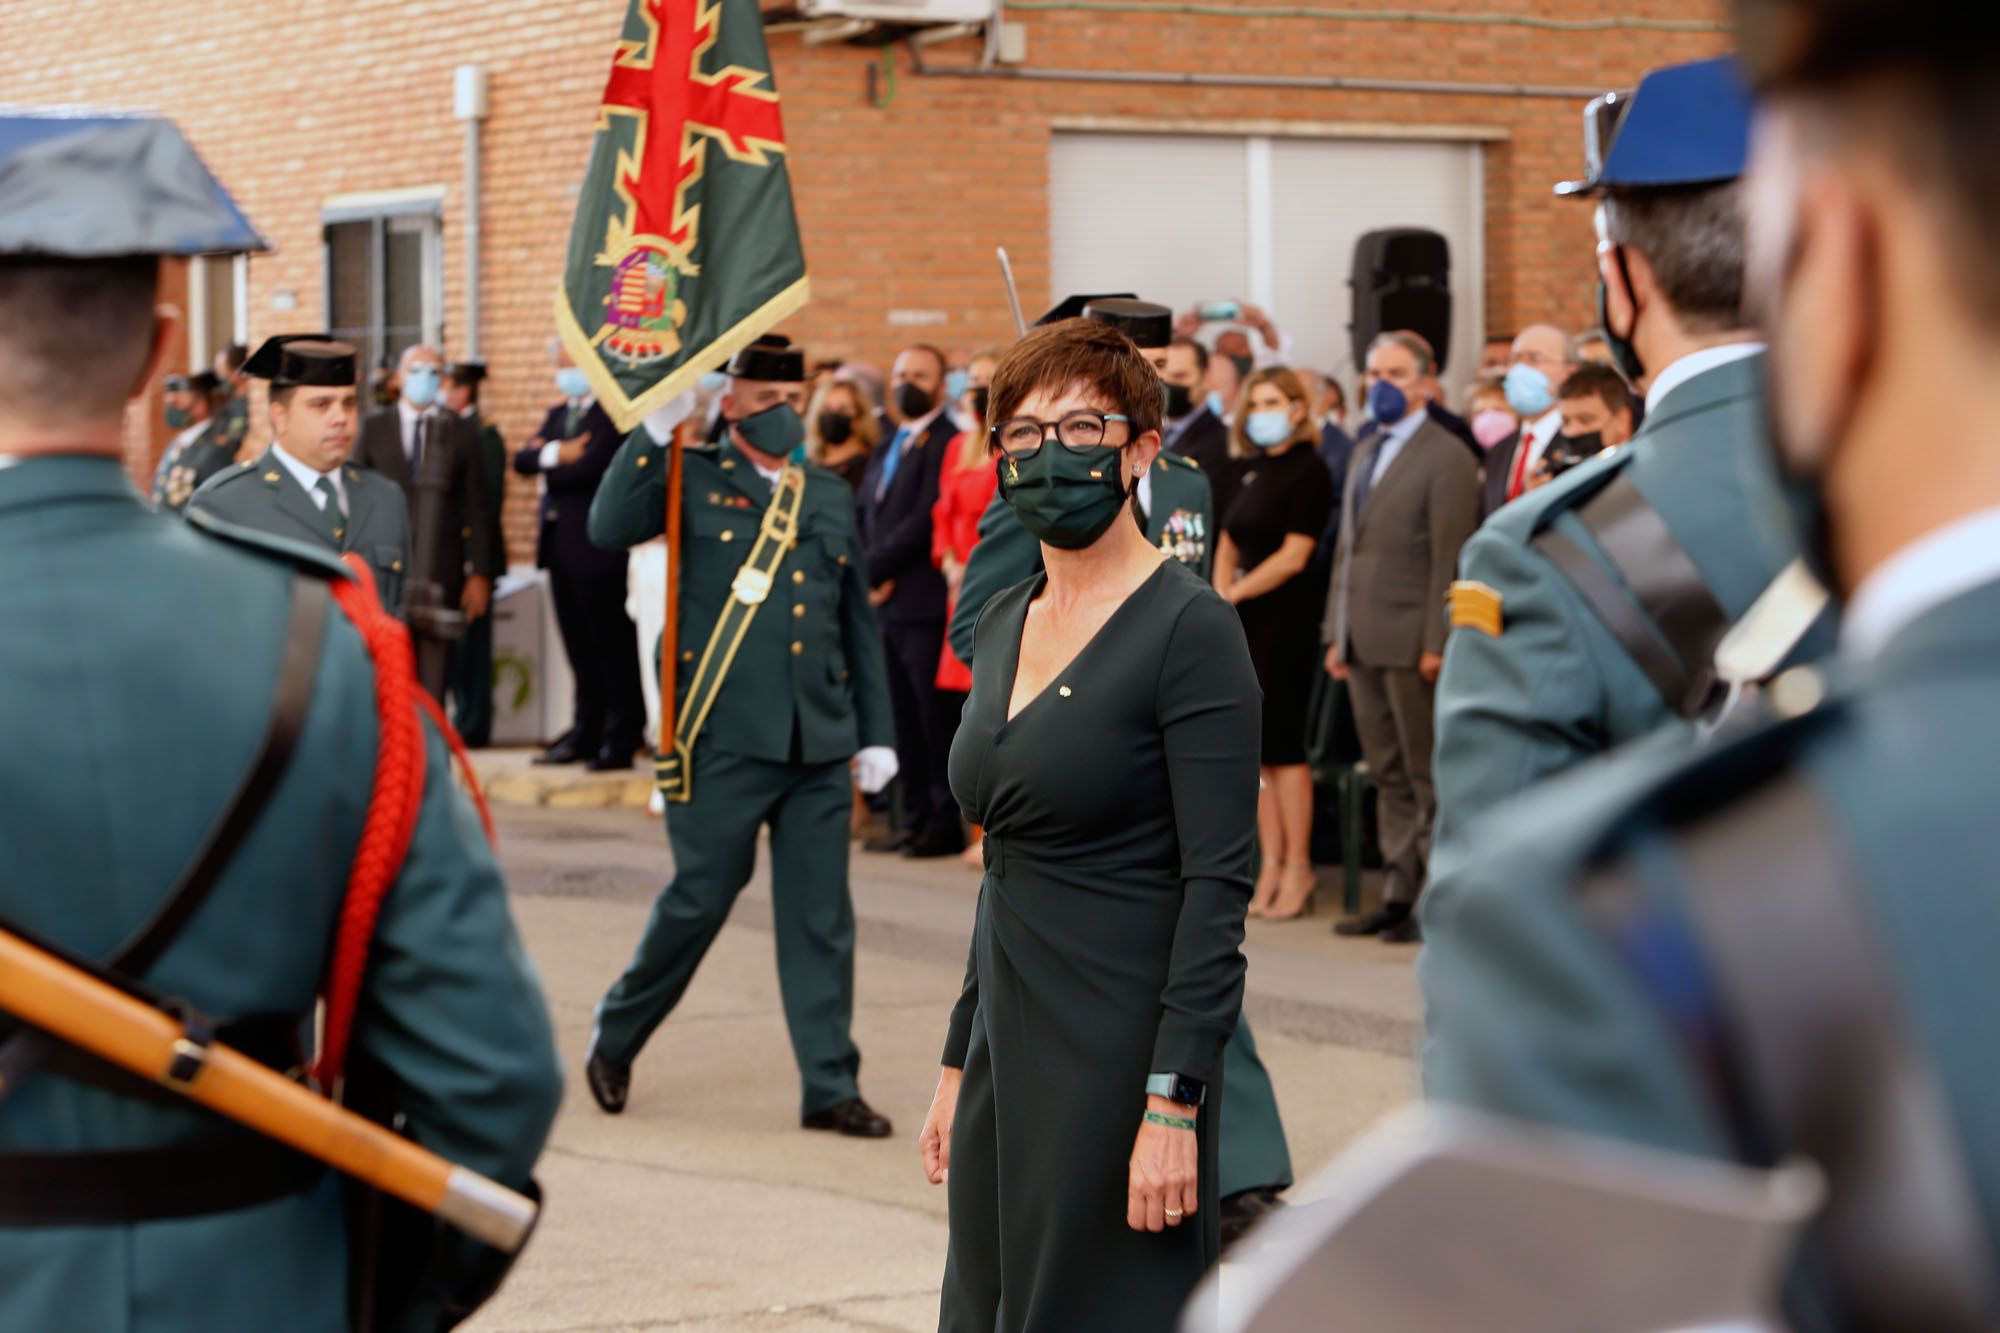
(1110, 748)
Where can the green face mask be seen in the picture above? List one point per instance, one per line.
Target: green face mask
(179, 418)
(1065, 498)
(775, 431)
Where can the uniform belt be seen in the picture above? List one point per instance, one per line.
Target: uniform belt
(116, 1186)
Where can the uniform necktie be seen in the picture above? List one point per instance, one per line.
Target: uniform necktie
(330, 511)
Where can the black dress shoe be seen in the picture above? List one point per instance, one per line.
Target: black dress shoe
(853, 1117)
(607, 761)
(1386, 917)
(562, 752)
(938, 843)
(887, 842)
(608, 1079)
(1242, 1210)
(1406, 931)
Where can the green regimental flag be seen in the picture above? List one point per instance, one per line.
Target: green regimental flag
(685, 246)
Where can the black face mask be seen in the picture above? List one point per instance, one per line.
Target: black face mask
(1244, 365)
(1566, 451)
(1623, 354)
(835, 427)
(911, 401)
(1180, 401)
(981, 396)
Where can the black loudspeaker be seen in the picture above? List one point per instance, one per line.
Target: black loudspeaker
(1402, 280)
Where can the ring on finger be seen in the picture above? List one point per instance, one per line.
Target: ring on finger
(1174, 1214)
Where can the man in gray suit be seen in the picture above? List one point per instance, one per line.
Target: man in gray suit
(303, 488)
(1412, 498)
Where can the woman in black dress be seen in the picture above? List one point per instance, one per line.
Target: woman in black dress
(1276, 512)
(840, 429)
(1109, 747)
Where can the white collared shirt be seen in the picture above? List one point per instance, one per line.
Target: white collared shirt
(187, 436)
(1535, 438)
(550, 458)
(309, 479)
(1393, 440)
(1677, 373)
(1928, 572)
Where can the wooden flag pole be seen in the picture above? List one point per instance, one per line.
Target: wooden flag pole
(670, 636)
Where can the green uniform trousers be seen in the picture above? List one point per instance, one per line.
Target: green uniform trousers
(472, 682)
(1252, 1151)
(714, 841)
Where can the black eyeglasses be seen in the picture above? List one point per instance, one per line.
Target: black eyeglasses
(1078, 431)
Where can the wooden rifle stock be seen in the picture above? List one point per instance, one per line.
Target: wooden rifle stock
(68, 1003)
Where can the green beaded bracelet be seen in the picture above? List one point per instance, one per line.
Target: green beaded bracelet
(1170, 1121)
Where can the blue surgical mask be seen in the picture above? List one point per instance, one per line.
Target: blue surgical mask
(1268, 430)
(420, 385)
(955, 385)
(1387, 403)
(571, 382)
(1215, 402)
(1528, 391)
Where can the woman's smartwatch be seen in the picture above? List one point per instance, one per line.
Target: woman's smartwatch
(1175, 1088)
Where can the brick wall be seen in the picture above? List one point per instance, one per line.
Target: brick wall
(291, 105)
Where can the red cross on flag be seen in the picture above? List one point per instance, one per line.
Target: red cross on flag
(685, 246)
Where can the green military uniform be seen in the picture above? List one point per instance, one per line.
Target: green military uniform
(186, 465)
(266, 497)
(472, 655)
(1534, 678)
(1180, 521)
(232, 425)
(1541, 1006)
(122, 749)
(804, 692)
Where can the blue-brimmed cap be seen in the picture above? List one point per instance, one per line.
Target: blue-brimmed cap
(1683, 125)
(98, 186)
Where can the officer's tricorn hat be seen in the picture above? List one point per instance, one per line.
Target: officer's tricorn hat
(771, 358)
(294, 360)
(1072, 307)
(91, 186)
(1684, 125)
(1144, 323)
(465, 372)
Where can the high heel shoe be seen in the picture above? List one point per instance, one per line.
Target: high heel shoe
(1260, 903)
(1306, 903)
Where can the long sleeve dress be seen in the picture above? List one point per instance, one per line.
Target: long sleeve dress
(1121, 813)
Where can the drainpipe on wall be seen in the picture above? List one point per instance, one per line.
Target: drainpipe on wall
(469, 104)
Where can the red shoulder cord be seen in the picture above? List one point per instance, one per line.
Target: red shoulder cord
(393, 805)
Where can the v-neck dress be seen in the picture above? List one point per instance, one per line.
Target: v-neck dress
(1120, 808)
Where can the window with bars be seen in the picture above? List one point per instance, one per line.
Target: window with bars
(385, 275)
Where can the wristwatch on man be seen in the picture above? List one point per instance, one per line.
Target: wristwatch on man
(1176, 1088)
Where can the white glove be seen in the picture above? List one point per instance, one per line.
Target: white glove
(661, 424)
(874, 768)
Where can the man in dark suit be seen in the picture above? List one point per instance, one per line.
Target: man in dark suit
(1411, 501)
(1191, 429)
(897, 494)
(1539, 363)
(570, 453)
(396, 441)
(472, 656)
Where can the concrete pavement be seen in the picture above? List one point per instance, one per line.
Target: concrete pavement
(704, 1206)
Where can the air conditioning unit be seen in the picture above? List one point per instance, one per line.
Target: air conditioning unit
(900, 11)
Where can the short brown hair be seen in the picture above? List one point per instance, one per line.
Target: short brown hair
(1072, 352)
(1592, 380)
(1286, 383)
(74, 334)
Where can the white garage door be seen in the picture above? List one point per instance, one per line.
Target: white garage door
(1182, 219)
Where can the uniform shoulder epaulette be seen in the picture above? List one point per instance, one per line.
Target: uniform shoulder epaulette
(367, 478)
(1176, 460)
(303, 557)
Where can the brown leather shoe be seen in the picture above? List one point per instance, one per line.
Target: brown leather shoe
(853, 1117)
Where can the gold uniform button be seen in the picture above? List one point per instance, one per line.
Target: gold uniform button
(797, 648)
(798, 576)
(643, 460)
(799, 610)
(728, 535)
(688, 656)
(270, 476)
